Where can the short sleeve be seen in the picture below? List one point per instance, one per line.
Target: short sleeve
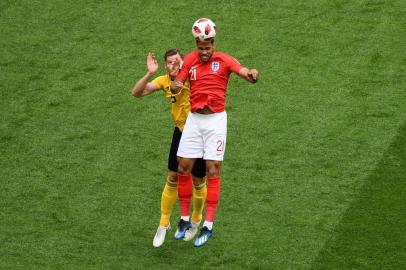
(159, 82)
(233, 64)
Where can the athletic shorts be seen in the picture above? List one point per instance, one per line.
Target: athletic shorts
(199, 169)
(204, 136)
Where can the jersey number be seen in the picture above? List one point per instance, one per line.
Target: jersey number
(173, 99)
(192, 74)
(220, 145)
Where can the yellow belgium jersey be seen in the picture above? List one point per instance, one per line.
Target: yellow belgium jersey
(180, 101)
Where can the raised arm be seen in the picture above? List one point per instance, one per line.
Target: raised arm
(143, 86)
(177, 84)
(250, 75)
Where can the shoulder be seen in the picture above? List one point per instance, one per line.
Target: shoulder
(190, 57)
(188, 61)
(161, 78)
(222, 54)
(160, 81)
(226, 58)
(192, 54)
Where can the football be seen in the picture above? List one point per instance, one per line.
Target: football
(204, 29)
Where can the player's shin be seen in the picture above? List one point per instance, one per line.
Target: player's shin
(199, 197)
(212, 199)
(168, 199)
(185, 193)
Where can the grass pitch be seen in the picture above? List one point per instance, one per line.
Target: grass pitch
(314, 170)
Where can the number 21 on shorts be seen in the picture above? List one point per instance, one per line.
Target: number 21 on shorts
(220, 146)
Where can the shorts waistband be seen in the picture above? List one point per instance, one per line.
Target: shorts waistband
(205, 110)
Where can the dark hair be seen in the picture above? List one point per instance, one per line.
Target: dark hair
(173, 52)
(211, 40)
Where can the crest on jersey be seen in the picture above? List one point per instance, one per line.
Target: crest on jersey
(215, 66)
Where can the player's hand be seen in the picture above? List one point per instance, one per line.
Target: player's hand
(178, 63)
(253, 75)
(152, 63)
(176, 86)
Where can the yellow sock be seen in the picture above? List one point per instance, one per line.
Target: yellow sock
(199, 198)
(168, 199)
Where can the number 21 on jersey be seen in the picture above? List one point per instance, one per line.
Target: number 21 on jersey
(192, 74)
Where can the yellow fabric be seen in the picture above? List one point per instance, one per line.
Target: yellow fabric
(169, 196)
(199, 198)
(180, 102)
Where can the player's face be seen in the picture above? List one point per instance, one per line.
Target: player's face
(205, 50)
(171, 65)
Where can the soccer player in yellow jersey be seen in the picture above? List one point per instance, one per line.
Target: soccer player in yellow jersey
(180, 110)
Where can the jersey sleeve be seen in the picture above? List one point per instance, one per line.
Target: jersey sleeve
(184, 70)
(159, 82)
(233, 64)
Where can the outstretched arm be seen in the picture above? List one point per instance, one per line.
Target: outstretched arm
(143, 86)
(250, 75)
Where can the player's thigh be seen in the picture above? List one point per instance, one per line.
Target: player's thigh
(215, 137)
(191, 143)
(172, 158)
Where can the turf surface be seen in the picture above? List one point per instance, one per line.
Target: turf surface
(314, 171)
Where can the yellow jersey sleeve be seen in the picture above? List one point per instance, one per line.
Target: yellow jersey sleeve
(180, 103)
(160, 82)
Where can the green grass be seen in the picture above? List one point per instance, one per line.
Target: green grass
(372, 230)
(314, 170)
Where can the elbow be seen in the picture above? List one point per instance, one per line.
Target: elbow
(136, 94)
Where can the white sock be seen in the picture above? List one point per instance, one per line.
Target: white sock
(185, 218)
(208, 224)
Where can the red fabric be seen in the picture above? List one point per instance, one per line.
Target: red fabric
(213, 196)
(185, 191)
(208, 80)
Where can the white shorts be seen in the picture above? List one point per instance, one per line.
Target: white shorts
(204, 135)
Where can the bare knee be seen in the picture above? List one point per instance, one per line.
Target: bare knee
(172, 177)
(213, 168)
(198, 181)
(185, 165)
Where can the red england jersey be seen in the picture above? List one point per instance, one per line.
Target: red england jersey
(208, 80)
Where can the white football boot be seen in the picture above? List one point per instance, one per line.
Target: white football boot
(159, 238)
(192, 231)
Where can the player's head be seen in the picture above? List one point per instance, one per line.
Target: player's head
(171, 57)
(205, 48)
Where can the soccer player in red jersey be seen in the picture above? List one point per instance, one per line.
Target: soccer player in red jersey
(205, 130)
(180, 108)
